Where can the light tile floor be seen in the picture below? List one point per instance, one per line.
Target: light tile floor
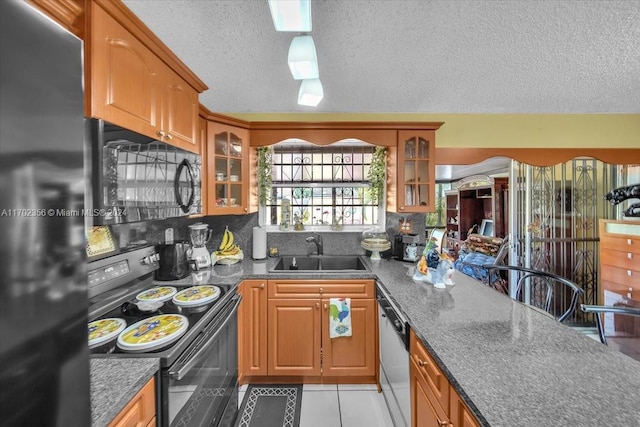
(344, 405)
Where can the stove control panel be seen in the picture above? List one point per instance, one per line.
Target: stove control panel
(110, 272)
(118, 270)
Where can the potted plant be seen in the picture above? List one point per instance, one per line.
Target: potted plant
(377, 174)
(264, 171)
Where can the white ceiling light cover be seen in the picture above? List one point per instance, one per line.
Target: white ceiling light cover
(311, 92)
(303, 61)
(291, 15)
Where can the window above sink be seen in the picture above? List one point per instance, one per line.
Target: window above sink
(321, 187)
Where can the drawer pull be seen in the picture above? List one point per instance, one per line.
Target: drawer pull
(629, 255)
(629, 273)
(320, 290)
(443, 423)
(422, 363)
(629, 242)
(261, 285)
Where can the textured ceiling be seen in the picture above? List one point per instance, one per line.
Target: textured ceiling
(452, 56)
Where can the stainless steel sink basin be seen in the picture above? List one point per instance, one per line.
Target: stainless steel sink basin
(319, 263)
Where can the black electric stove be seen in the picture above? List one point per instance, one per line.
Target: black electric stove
(114, 284)
(198, 376)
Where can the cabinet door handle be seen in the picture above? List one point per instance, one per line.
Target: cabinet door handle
(160, 133)
(443, 423)
(629, 242)
(320, 290)
(422, 363)
(629, 255)
(629, 273)
(325, 306)
(169, 136)
(317, 305)
(261, 285)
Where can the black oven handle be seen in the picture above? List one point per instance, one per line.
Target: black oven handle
(176, 186)
(180, 369)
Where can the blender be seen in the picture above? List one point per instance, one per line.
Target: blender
(199, 234)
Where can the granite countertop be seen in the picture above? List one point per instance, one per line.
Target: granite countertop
(511, 364)
(114, 382)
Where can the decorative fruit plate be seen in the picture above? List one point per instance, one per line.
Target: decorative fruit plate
(158, 293)
(196, 295)
(153, 333)
(227, 259)
(105, 330)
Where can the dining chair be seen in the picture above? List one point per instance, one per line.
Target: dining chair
(554, 294)
(600, 310)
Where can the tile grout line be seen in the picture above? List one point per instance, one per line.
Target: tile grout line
(339, 407)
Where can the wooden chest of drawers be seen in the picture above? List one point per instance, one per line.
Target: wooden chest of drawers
(620, 279)
(620, 258)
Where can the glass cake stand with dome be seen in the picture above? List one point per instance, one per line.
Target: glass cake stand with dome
(376, 241)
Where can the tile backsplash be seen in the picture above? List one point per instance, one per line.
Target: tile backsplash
(152, 232)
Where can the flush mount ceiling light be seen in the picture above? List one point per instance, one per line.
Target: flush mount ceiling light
(291, 15)
(303, 61)
(310, 93)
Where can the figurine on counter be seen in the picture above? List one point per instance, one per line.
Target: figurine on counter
(441, 275)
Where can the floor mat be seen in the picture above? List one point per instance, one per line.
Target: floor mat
(271, 406)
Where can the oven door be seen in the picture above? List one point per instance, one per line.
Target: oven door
(200, 388)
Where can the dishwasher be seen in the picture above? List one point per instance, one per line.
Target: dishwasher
(394, 359)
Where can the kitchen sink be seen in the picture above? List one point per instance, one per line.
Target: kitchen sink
(319, 263)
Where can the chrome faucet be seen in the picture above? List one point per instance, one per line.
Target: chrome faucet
(317, 239)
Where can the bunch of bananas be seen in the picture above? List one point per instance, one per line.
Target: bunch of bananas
(227, 247)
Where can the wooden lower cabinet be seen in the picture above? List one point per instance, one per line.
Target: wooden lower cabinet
(434, 401)
(284, 332)
(294, 337)
(141, 409)
(424, 411)
(459, 413)
(354, 355)
(252, 328)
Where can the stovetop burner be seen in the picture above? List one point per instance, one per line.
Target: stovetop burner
(131, 314)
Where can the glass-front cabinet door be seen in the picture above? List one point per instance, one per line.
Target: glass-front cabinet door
(416, 171)
(228, 169)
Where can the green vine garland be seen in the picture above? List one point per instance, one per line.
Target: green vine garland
(377, 174)
(264, 171)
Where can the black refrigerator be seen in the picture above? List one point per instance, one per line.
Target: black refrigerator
(44, 358)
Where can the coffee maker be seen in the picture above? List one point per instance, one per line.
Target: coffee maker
(410, 250)
(199, 257)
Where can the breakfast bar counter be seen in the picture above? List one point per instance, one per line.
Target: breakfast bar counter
(511, 364)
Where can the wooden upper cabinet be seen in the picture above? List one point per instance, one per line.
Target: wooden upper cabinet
(124, 77)
(68, 13)
(204, 173)
(228, 169)
(132, 87)
(180, 112)
(415, 185)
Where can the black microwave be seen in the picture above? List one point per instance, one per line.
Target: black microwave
(137, 178)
